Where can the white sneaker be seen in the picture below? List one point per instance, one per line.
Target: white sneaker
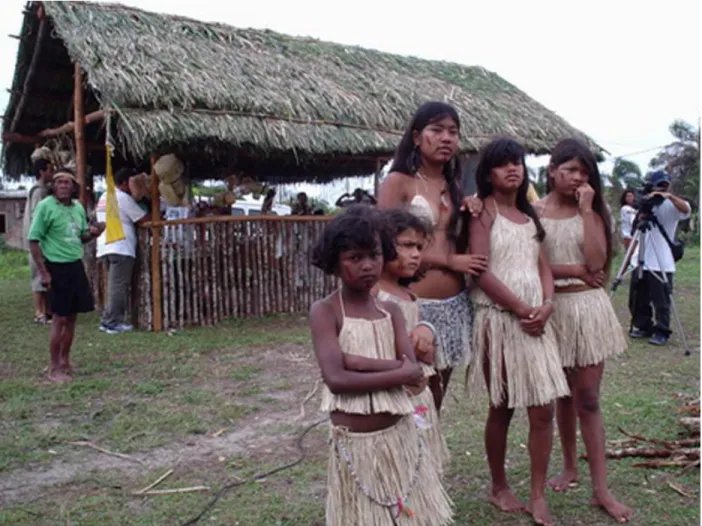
(109, 330)
(125, 327)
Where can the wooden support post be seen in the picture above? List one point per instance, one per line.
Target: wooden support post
(376, 178)
(155, 251)
(79, 126)
(43, 28)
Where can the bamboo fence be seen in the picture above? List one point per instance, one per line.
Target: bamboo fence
(215, 268)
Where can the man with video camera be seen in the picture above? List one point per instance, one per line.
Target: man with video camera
(659, 214)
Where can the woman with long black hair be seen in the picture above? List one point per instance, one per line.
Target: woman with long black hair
(425, 177)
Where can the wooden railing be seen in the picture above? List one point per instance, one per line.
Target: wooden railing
(210, 269)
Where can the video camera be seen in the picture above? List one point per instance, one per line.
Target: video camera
(645, 202)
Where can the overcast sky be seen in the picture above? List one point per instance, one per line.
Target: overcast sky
(619, 70)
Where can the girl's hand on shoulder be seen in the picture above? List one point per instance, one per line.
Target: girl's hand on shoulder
(473, 264)
(473, 204)
(423, 342)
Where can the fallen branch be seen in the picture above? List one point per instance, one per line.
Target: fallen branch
(106, 451)
(663, 464)
(670, 444)
(692, 409)
(692, 424)
(643, 452)
(193, 489)
(153, 485)
(654, 453)
(678, 489)
(687, 468)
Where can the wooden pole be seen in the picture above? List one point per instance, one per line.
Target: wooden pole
(43, 26)
(155, 251)
(376, 178)
(79, 126)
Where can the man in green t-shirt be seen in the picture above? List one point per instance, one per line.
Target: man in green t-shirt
(59, 229)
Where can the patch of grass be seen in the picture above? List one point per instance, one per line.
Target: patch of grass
(246, 373)
(14, 264)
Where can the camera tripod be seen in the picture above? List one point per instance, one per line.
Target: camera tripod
(645, 226)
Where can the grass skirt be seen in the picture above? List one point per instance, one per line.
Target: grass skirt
(433, 436)
(384, 464)
(525, 371)
(586, 327)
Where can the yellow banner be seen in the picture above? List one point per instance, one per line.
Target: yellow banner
(113, 223)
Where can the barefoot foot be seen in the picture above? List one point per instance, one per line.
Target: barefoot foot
(540, 512)
(505, 500)
(68, 369)
(57, 376)
(617, 510)
(563, 481)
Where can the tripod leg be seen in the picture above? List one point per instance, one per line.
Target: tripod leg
(622, 269)
(679, 325)
(668, 288)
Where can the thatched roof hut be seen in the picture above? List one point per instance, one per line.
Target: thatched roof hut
(245, 99)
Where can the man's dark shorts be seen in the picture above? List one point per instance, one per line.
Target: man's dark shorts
(70, 290)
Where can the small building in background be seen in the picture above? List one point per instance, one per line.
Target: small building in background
(11, 213)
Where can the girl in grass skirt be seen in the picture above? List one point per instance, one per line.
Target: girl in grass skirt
(514, 345)
(409, 234)
(380, 472)
(579, 243)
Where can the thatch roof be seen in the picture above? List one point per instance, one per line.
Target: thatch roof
(252, 99)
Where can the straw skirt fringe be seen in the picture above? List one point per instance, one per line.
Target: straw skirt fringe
(586, 327)
(524, 371)
(388, 463)
(433, 436)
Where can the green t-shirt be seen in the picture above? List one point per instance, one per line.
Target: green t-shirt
(59, 229)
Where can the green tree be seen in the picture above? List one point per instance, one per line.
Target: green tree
(681, 159)
(625, 174)
(538, 179)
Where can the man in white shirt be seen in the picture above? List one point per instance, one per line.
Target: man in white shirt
(649, 291)
(44, 171)
(119, 256)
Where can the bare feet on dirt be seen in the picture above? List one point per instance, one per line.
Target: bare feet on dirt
(505, 500)
(563, 481)
(540, 512)
(57, 376)
(617, 510)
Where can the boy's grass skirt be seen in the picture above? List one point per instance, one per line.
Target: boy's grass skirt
(587, 328)
(384, 478)
(525, 371)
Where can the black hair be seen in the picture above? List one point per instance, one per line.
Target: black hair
(569, 149)
(499, 152)
(622, 198)
(358, 227)
(407, 158)
(396, 221)
(123, 175)
(39, 166)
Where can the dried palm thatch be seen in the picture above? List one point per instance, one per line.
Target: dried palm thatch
(293, 106)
